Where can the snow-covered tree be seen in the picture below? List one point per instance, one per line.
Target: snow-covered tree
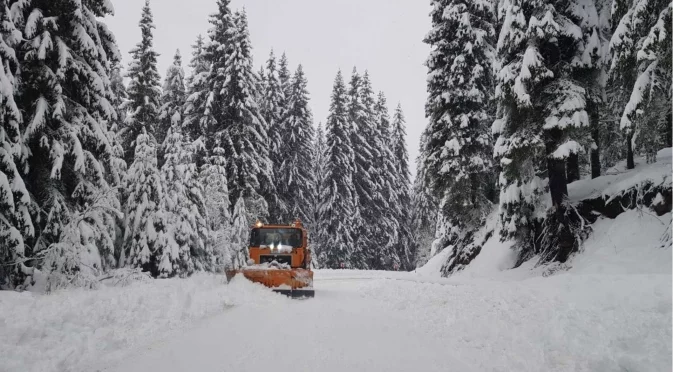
(119, 95)
(66, 56)
(240, 232)
(274, 113)
(294, 176)
(16, 225)
(458, 108)
(402, 187)
(362, 123)
(173, 101)
(285, 77)
(337, 199)
(541, 118)
(195, 115)
(184, 209)
(213, 176)
(144, 88)
(641, 71)
(230, 114)
(424, 210)
(145, 237)
(319, 164)
(388, 229)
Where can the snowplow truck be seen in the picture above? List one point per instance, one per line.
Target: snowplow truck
(279, 259)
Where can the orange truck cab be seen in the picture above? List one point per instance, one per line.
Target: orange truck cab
(280, 259)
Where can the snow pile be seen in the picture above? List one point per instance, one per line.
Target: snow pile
(610, 311)
(618, 179)
(564, 322)
(72, 329)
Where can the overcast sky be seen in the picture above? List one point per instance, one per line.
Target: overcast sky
(382, 36)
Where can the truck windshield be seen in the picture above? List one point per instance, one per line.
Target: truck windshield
(265, 237)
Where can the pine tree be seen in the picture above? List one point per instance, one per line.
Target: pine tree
(337, 206)
(239, 235)
(146, 243)
(295, 177)
(119, 95)
(285, 77)
(361, 117)
(273, 112)
(16, 225)
(386, 177)
(144, 90)
(319, 164)
(231, 115)
(195, 115)
(424, 210)
(542, 119)
(66, 57)
(184, 210)
(213, 176)
(173, 101)
(406, 244)
(641, 69)
(458, 108)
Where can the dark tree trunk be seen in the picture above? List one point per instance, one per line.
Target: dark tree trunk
(573, 168)
(630, 164)
(595, 136)
(668, 131)
(556, 169)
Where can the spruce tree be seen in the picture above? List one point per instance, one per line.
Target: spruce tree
(337, 199)
(184, 210)
(641, 70)
(66, 104)
(406, 244)
(542, 120)
(16, 225)
(252, 173)
(319, 164)
(231, 115)
(459, 85)
(361, 117)
(295, 177)
(285, 77)
(144, 88)
(173, 102)
(388, 231)
(195, 121)
(213, 177)
(424, 210)
(146, 243)
(273, 112)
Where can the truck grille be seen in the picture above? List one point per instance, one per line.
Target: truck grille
(280, 258)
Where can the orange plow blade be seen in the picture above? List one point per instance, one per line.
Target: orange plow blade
(295, 283)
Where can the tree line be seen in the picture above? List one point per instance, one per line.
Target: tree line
(526, 97)
(98, 174)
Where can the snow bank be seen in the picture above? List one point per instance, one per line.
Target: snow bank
(618, 179)
(72, 329)
(633, 243)
(433, 268)
(565, 322)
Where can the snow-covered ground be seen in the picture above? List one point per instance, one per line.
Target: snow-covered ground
(611, 311)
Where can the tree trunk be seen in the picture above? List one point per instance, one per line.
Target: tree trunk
(594, 116)
(630, 164)
(573, 168)
(556, 169)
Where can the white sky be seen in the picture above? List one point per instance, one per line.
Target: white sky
(382, 36)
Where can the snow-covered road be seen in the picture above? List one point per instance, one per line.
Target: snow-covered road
(374, 321)
(611, 311)
(341, 329)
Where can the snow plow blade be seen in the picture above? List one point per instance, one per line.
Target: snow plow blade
(295, 283)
